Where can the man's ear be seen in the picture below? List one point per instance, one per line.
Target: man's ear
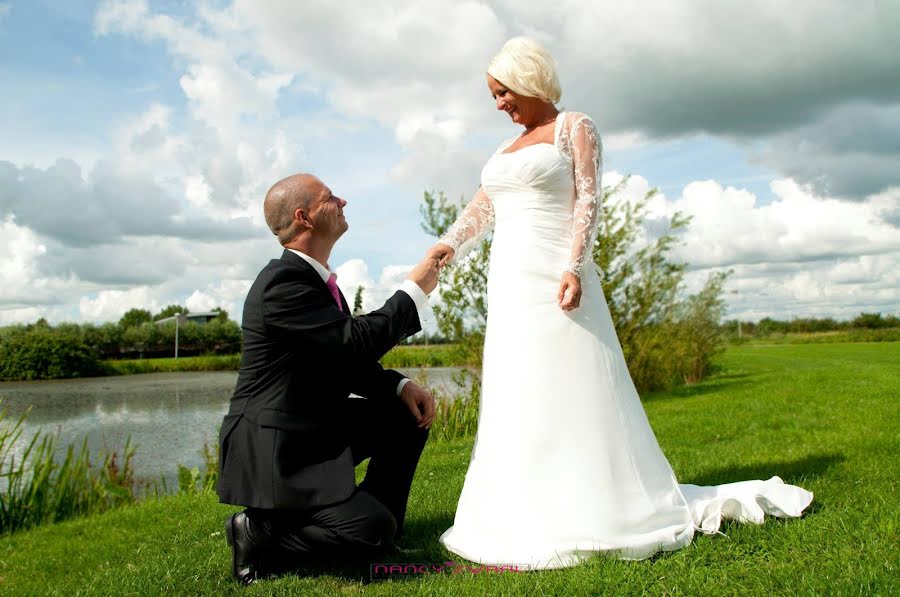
(301, 217)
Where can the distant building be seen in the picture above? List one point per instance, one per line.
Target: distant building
(201, 318)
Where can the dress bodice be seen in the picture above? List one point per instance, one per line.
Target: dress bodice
(542, 199)
(532, 191)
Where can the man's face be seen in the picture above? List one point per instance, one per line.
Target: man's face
(326, 211)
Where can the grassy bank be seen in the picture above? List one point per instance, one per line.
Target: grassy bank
(833, 337)
(437, 355)
(448, 355)
(821, 416)
(224, 362)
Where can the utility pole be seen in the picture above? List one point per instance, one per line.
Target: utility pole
(180, 318)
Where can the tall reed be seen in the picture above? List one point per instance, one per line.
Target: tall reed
(37, 488)
(457, 415)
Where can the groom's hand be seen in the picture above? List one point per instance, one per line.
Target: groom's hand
(425, 274)
(420, 403)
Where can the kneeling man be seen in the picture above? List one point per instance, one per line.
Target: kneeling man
(292, 435)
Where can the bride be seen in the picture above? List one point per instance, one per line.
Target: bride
(565, 464)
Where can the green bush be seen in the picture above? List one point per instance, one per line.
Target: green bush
(874, 321)
(36, 488)
(39, 351)
(42, 351)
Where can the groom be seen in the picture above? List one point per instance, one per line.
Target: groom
(292, 436)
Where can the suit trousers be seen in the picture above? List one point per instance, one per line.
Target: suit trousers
(366, 523)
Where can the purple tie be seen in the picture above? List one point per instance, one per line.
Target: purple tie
(332, 286)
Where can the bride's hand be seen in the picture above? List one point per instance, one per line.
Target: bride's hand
(569, 295)
(443, 253)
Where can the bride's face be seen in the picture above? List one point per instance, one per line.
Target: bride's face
(517, 106)
(506, 99)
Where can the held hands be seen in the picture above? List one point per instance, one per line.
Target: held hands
(420, 403)
(443, 253)
(425, 274)
(569, 295)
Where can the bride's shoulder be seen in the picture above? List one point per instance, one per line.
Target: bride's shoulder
(572, 118)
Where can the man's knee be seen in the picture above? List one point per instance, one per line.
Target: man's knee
(381, 527)
(371, 523)
(409, 432)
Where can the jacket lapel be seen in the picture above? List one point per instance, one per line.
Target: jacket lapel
(313, 275)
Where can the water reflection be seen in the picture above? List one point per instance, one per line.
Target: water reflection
(169, 416)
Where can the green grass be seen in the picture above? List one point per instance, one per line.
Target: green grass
(223, 362)
(821, 416)
(449, 355)
(836, 336)
(436, 355)
(38, 487)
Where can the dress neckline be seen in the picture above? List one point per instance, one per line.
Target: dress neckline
(555, 135)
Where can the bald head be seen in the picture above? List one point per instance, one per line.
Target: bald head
(284, 199)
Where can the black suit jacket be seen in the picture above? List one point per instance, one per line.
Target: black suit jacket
(284, 442)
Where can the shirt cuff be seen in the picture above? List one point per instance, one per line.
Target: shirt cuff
(417, 295)
(400, 385)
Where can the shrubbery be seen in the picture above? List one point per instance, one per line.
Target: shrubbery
(39, 351)
(768, 327)
(38, 488)
(42, 351)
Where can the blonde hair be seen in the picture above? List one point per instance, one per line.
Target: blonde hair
(524, 66)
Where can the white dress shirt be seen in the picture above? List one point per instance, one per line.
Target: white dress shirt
(408, 286)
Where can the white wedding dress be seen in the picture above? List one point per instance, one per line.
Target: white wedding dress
(565, 464)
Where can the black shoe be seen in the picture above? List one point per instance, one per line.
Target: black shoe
(244, 554)
(395, 549)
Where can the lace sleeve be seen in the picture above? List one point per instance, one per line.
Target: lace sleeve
(473, 224)
(587, 165)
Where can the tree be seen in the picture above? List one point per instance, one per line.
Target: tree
(222, 313)
(135, 317)
(872, 321)
(358, 301)
(462, 315)
(169, 311)
(700, 332)
(641, 283)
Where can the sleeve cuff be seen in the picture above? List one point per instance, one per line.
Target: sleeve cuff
(417, 295)
(400, 385)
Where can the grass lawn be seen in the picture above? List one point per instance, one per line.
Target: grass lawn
(437, 355)
(219, 362)
(821, 416)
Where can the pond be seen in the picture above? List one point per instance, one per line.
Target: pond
(169, 416)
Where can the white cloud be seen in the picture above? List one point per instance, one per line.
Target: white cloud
(355, 273)
(228, 295)
(232, 145)
(729, 226)
(20, 250)
(110, 305)
(799, 255)
(113, 202)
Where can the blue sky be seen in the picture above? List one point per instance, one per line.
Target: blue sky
(139, 138)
